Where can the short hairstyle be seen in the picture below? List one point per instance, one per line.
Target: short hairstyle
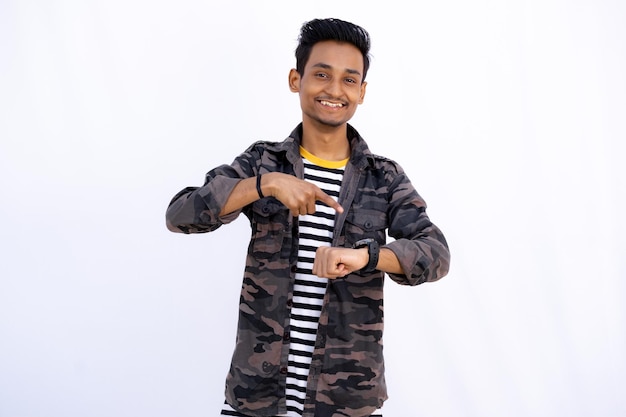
(318, 30)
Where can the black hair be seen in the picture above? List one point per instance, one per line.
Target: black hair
(318, 30)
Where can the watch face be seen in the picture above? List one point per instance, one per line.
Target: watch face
(362, 243)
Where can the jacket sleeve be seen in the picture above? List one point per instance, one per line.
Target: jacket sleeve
(419, 245)
(196, 209)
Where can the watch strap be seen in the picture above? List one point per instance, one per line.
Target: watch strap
(373, 250)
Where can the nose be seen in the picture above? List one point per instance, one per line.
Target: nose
(334, 87)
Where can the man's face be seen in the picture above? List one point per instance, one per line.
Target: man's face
(332, 85)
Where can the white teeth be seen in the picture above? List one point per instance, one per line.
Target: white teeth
(329, 104)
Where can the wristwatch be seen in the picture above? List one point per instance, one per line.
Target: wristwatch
(373, 249)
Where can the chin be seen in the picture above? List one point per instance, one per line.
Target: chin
(331, 123)
(334, 124)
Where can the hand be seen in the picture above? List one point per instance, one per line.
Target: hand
(298, 195)
(332, 262)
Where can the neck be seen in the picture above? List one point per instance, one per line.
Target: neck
(328, 142)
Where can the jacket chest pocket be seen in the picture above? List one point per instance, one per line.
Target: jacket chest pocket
(269, 225)
(365, 224)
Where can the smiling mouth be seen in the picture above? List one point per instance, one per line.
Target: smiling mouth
(331, 104)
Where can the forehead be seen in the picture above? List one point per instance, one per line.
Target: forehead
(338, 55)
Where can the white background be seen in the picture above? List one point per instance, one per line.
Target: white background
(507, 115)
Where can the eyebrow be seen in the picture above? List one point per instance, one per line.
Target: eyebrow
(326, 66)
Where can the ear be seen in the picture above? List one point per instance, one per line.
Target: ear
(362, 95)
(294, 81)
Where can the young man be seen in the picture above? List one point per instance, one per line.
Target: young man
(309, 340)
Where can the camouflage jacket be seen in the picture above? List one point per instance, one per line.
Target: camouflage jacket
(346, 376)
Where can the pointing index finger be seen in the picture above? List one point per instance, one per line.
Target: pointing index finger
(329, 201)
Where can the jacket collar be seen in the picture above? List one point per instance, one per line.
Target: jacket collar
(360, 155)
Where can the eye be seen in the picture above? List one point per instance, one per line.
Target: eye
(321, 75)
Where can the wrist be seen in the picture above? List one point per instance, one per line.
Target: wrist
(266, 184)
